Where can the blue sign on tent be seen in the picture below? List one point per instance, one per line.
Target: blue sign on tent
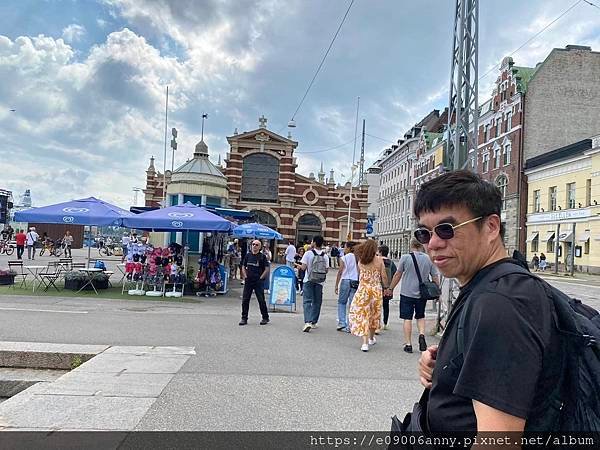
(283, 287)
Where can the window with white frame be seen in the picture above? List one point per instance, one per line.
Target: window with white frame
(502, 183)
(486, 162)
(552, 198)
(537, 201)
(497, 158)
(570, 195)
(507, 154)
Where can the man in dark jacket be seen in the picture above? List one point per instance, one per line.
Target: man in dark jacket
(255, 269)
(508, 361)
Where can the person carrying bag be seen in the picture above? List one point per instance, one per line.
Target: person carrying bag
(428, 289)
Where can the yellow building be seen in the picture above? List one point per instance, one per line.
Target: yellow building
(563, 206)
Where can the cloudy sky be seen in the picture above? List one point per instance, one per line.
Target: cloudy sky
(87, 78)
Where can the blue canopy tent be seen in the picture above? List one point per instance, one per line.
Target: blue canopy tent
(186, 217)
(256, 231)
(85, 211)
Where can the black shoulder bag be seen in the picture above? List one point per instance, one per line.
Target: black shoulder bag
(428, 289)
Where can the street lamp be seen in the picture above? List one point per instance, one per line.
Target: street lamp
(354, 167)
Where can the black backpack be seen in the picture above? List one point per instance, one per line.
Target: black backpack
(574, 405)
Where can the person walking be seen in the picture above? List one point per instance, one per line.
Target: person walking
(543, 262)
(346, 285)
(290, 255)
(32, 238)
(334, 253)
(21, 240)
(255, 269)
(535, 262)
(496, 366)
(67, 242)
(124, 245)
(411, 303)
(301, 273)
(390, 271)
(315, 263)
(365, 310)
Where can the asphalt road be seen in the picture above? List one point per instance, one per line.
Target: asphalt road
(255, 377)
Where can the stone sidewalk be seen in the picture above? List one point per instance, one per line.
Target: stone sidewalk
(112, 391)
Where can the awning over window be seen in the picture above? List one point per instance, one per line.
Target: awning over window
(565, 236)
(549, 235)
(533, 236)
(584, 237)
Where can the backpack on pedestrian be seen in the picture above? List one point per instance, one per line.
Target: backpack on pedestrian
(574, 404)
(335, 252)
(318, 270)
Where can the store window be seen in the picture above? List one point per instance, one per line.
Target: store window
(550, 245)
(535, 244)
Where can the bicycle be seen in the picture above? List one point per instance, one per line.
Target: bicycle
(107, 249)
(6, 248)
(53, 249)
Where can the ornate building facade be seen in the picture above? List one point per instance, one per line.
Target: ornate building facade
(261, 176)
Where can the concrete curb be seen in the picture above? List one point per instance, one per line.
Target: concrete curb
(35, 355)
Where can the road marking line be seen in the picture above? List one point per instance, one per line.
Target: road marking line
(44, 310)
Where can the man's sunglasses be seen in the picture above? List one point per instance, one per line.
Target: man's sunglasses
(443, 230)
(255, 243)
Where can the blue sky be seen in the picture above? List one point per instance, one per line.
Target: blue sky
(87, 78)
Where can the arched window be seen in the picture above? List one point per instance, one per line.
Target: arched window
(264, 218)
(502, 183)
(260, 178)
(309, 220)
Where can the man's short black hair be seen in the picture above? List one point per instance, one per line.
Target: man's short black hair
(460, 188)
(384, 250)
(318, 240)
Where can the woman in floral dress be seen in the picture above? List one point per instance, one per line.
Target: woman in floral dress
(365, 310)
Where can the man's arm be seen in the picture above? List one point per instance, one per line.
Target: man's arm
(243, 269)
(491, 419)
(395, 280)
(265, 274)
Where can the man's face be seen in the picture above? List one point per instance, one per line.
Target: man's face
(256, 246)
(462, 256)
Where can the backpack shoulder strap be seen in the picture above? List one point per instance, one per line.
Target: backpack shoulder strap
(412, 255)
(497, 272)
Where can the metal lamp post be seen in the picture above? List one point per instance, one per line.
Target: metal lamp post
(349, 235)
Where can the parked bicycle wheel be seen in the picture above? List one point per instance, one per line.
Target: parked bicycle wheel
(104, 251)
(42, 251)
(9, 250)
(58, 252)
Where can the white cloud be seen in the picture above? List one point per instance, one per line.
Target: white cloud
(73, 33)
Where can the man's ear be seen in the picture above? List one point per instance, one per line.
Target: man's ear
(493, 225)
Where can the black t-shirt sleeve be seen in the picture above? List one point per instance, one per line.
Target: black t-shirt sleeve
(504, 346)
(262, 263)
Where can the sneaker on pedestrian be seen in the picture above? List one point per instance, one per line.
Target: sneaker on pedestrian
(408, 348)
(313, 325)
(372, 341)
(307, 327)
(243, 322)
(264, 321)
(242, 283)
(340, 327)
(378, 330)
(364, 347)
(422, 343)
(385, 327)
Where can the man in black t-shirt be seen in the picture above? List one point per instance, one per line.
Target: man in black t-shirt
(508, 361)
(255, 269)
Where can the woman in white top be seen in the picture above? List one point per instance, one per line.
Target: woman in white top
(346, 285)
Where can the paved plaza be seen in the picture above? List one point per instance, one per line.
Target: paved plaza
(272, 377)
